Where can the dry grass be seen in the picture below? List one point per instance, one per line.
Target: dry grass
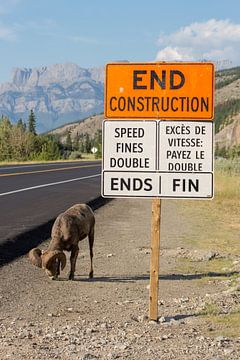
(215, 223)
(215, 226)
(225, 324)
(88, 157)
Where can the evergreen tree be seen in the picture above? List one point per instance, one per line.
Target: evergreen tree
(75, 143)
(68, 142)
(81, 143)
(5, 132)
(21, 125)
(32, 123)
(88, 143)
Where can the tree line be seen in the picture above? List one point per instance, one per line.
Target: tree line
(228, 153)
(20, 142)
(224, 113)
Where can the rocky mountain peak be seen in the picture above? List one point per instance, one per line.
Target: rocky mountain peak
(58, 94)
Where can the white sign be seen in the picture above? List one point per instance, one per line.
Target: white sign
(165, 159)
(130, 145)
(186, 146)
(156, 184)
(186, 185)
(130, 184)
(94, 150)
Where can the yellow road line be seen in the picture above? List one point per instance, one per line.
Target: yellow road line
(49, 170)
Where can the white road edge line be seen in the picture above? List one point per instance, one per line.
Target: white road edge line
(50, 184)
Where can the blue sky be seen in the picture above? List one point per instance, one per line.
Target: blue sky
(93, 32)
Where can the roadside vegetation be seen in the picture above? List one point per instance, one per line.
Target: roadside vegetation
(215, 228)
(218, 218)
(20, 142)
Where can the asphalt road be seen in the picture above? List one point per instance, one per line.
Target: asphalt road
(31, 195)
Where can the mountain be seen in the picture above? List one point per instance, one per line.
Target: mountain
(227, 108)
(58, 94)
(88, 126)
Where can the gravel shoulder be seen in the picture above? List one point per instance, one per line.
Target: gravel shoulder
(106, 317)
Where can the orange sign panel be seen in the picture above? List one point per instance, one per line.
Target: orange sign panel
(159, 91)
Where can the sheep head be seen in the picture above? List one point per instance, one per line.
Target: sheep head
(49, 260)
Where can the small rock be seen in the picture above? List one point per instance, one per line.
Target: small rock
(228, 351)
(220, 339)
(114, 355)
(210, 255)
(109, 255)
(59, 333)
(164, 337)
(142, 318)
(70, 309)
(121, 347)
(162, 319)
(89, 356)
(72, 348)
(134, 318)
(184, 300)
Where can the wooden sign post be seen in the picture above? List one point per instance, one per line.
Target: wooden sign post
(154, 262)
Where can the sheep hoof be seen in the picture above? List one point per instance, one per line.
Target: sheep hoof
(71, 277)
(91, 275)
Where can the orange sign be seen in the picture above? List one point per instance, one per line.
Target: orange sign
(159, 91)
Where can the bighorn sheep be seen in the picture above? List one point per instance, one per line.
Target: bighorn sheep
(69, 228)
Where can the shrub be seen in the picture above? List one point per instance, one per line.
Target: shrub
(74, 155)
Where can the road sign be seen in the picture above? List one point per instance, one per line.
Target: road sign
(186, 146)
(94, 150)
(164, 159)
(158, 159)
(159, 91)
(130, 145)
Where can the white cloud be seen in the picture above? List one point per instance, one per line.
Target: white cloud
(216, 40)
(7, 33)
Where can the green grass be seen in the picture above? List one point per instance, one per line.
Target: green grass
(225, 324)
(218, 266)
(210, 309)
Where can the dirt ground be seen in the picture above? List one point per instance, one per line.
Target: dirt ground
(106, 317)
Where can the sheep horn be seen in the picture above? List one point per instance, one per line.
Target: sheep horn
(35, 257)
(50, 256)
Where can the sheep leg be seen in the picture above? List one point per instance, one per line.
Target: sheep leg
(91, 241)
(73, 259)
